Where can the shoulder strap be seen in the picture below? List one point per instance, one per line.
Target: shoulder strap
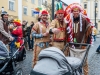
(40, 28)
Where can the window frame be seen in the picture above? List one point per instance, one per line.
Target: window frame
(25, 8)
(13, 1)
(39, 2)
(85, 5)
(33, 2)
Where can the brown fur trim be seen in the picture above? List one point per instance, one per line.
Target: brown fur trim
(88, 33)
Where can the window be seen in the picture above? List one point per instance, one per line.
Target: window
(85, 6)
(32, 12)
(42, 1)
(32, 1)
(39, 2)
(25, 10)
(11, 5)
(45, 3)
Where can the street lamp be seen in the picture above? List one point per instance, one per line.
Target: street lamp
(95, 14)
(52, 9)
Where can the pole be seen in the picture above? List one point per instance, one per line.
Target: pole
(95, 15)
(52, 9)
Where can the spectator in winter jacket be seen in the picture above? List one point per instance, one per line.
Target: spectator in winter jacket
(5, 36)
(30, 39)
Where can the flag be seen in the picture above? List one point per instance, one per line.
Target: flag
(36, 12)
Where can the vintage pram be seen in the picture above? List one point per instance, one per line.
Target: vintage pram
(9, 62)
(52, 61)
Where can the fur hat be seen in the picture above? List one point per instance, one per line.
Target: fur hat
(3, 13)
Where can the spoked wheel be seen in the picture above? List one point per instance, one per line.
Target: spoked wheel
(18, 71)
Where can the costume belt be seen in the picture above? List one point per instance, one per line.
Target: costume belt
(43, 44)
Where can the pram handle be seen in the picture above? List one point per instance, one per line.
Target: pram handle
(9, 59)
(3, 67)
(84, 44)
(17, 50)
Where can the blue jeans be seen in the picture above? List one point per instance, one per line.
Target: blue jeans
(12, 46)
(94, 36)
(30, 42)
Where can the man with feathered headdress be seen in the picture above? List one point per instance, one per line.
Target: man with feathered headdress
(77, 22)
(57, 28)
(79, 26)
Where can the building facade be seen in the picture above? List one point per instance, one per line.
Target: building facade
(28, 7)
(22, 9)
(11, 6)
(90, 6)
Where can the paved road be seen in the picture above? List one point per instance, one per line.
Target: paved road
(93, 57)
(27, 63)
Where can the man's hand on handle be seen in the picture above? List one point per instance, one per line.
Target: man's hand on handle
(11, 38)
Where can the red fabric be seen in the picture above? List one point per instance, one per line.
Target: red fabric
(18, 24)
(19, 34)
(44, 12)
(62, 29)
(60, 12)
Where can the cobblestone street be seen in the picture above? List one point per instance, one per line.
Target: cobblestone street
(93, 59)
(27, 63)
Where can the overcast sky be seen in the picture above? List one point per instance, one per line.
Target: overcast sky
(71, 1)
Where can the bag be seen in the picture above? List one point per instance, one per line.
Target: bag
(79, 53)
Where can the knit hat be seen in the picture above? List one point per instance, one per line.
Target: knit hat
(3, 13)
(17, 22)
